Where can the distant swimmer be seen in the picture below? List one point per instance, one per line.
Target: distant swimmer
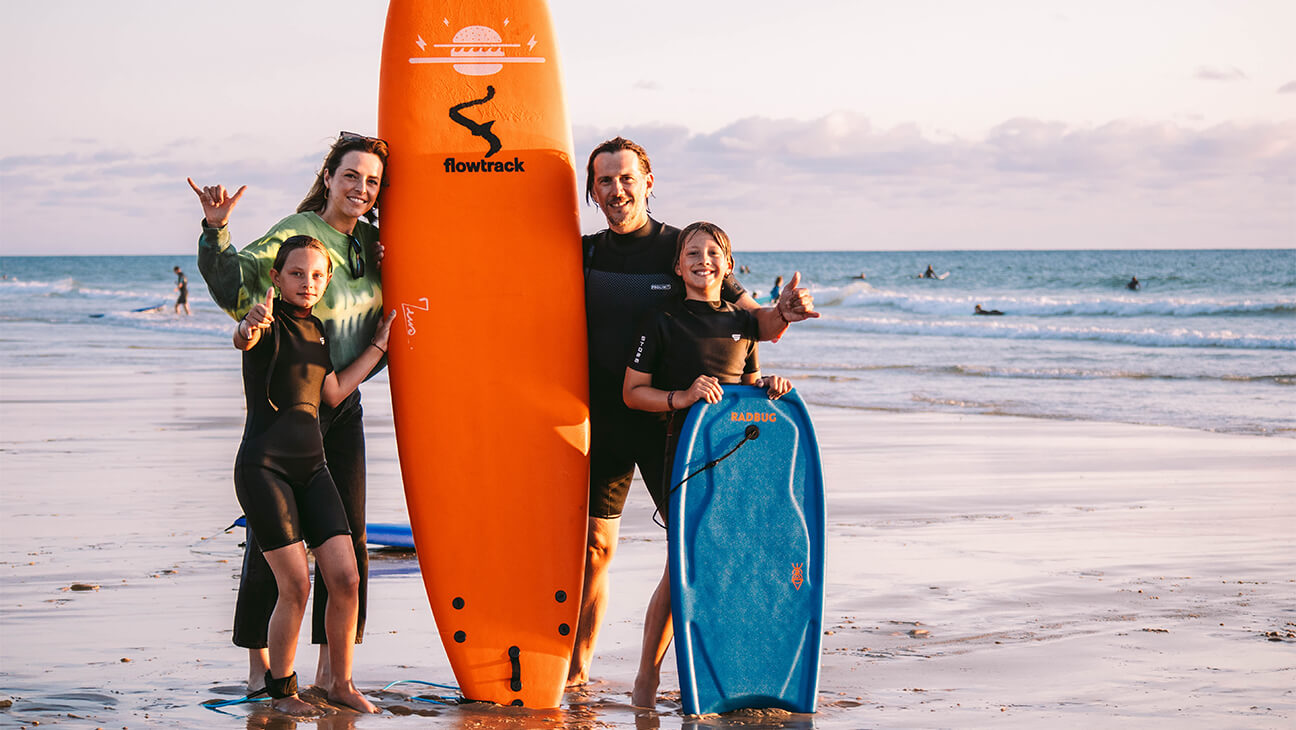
(979, 310)
(1133, 284)
(862, 276)
(778, 287)
(930, 273)
(182, 289)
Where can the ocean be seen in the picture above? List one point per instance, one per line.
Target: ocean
(1208, 342)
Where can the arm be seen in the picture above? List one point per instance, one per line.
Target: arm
(233, 280)
(248, 331)
(338, 385)
(794, 304)
(639, 393)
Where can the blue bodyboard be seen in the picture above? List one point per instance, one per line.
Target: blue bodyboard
(746, 554)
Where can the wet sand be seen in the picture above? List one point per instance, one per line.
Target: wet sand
(981, 570)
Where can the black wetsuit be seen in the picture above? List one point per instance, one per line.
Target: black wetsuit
(280, 475)
(626, 276)
(681, 341)
(182, 282)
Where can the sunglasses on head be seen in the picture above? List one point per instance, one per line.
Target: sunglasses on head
(345, 136)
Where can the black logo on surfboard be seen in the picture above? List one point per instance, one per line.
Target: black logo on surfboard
(482, 129)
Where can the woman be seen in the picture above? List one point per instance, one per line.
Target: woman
(346, 190)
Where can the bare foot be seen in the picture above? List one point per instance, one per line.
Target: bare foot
(644, 695)
(577, 680)
(293, 705)
(349, 696)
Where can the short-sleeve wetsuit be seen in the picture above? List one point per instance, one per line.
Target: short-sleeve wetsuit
(679, 342)
(626, 276)
(280, 475)
(350, 310)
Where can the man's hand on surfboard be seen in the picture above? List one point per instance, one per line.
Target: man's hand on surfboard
(217, 203)
(795, 303)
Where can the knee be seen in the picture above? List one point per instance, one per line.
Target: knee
(343, 582)
(294, 589)
(599, 551)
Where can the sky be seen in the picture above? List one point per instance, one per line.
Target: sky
(837, 125)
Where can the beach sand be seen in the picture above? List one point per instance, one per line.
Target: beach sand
(981, 570)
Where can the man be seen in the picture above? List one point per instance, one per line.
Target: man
(629, 269)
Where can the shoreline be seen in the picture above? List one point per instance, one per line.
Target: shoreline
(1064, 572)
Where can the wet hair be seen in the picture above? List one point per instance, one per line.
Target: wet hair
(713, 230)
(615, 144)
(295, 243)
(317, 198)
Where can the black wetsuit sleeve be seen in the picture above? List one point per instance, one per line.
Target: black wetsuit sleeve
(649, 343)
(731, 290)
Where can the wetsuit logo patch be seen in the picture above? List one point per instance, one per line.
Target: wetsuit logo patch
(736, 336)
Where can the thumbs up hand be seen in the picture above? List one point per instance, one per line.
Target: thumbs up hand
(796, 303)
(262, 313)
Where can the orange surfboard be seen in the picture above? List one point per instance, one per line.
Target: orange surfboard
(489, 375)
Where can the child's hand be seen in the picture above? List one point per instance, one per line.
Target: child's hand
(384, 331)
(262, 313)
(775, 385)
(704, 388)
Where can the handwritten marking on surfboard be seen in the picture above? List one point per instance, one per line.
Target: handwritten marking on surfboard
(798, 575)
(478, 50)
(408, 310)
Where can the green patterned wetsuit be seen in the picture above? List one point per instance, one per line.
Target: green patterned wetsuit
(350, 308)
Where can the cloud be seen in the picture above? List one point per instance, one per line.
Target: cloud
(1219, 73)
(786, 174)
(781, 183)
(1287, 88)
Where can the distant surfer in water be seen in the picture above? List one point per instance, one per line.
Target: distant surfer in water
(1133, 284)
(930, 273)
(683, 353)
(630, 269)
(280, 474)
(979, 310)
(182, 289)
(778, 286)
(339, 211)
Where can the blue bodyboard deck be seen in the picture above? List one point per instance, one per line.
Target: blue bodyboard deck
(746, 554)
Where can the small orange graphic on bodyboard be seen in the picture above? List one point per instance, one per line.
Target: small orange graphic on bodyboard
(798, 577)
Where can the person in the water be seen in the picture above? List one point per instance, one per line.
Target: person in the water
(280, 474)
(930, 273)
(1133, 284)
(683, 353)
(979, 310)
